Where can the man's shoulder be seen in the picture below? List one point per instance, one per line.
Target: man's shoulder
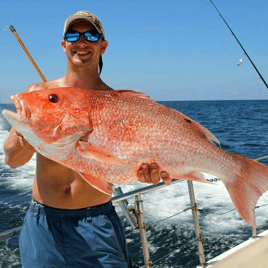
(45, 85)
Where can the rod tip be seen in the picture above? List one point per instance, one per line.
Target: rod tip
(11, 27)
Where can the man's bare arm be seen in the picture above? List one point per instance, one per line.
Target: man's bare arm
(18, 151)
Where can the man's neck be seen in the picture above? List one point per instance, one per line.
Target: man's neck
(84, 78)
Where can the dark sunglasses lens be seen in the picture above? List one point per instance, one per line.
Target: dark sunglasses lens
(72, 37)
(92, 37)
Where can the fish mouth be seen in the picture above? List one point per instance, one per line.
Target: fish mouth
(23, 113)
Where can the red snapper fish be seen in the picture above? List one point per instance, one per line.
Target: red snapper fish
(105, 136)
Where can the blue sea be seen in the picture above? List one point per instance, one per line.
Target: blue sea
(241, 126)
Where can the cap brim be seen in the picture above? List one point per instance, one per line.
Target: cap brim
(72, 22)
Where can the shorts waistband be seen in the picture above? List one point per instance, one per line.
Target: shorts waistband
(61, 213)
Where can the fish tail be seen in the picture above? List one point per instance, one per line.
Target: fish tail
(247, 186)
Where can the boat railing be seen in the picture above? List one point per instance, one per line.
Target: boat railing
(135, 216)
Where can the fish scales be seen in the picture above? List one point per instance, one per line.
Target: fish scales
(106, 136)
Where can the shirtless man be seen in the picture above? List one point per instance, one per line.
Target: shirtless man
(70, 223)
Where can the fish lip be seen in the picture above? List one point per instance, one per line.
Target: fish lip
(10, 114)
(23, 113)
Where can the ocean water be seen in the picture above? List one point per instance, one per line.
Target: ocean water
(241, 126)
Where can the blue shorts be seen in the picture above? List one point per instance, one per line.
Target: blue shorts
(57, 238)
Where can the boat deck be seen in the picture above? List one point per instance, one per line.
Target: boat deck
(253, 253)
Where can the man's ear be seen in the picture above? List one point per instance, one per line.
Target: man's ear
(104, 45)
(63, 44)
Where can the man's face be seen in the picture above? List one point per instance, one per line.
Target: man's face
(83, 52)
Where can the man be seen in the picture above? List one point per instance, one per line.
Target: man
(70, 223)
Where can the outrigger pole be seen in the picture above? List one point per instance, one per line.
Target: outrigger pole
(241, 46)
(27, 52)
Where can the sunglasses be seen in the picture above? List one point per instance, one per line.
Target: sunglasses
(89, 36)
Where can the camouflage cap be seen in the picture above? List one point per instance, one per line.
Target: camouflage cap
(84, 15)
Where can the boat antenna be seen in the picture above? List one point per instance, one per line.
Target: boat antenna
(241, 46)
(27, 52)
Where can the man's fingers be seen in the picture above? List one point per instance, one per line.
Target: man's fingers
(154, 174)
(150, 174)
(165, 177)
(146, 173)
(141, 175)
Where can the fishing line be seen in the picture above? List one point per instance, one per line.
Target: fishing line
(240, 46)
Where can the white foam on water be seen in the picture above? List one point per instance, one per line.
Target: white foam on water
(22, 177)
(4, 125)
(9, 257)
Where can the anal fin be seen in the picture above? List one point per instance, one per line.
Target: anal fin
(193, 176)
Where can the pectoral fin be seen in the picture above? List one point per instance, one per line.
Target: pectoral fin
(99, 184)
(90, 151)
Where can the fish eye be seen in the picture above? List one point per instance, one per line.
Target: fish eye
(53, 98)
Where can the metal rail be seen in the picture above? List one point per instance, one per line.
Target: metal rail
(143, 190)
(142, 228)
(196, 225)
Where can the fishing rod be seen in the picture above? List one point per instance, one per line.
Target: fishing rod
(27, 52)
(241, 46)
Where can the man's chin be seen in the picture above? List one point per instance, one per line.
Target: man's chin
(81, 60)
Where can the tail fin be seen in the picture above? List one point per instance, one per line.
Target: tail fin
(247, 187)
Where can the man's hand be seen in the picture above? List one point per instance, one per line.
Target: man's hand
(17, 150)
(150, 174)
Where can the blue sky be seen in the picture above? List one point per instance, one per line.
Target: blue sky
(170, 50)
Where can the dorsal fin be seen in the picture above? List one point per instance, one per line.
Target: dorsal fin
(133, 93)
(202, 130)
